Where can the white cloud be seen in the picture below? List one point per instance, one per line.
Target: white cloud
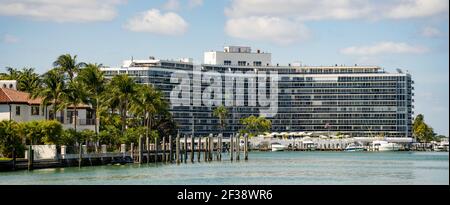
(8, 38)
(272, 29)
(418, 8)
(384, 48)
(293, 14)
(430, 32)
(153, 21)
(337, 9)
(61, 11)
(172, 5)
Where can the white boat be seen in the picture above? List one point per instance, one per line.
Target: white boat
(278, 147)
(381, 145)
(354, 148)
(441, 147)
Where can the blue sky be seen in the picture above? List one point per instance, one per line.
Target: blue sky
(409, 34)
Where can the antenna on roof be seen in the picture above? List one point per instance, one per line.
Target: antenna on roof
(131, 58)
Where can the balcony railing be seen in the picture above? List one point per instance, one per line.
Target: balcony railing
(69, 120)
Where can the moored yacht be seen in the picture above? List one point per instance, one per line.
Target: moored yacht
(278, 147)
(381, 145)
(354, 148)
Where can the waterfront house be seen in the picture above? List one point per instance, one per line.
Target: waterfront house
(18, 106)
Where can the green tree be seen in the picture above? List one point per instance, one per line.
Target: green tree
(74, 95)
(254, 126)
(10, 138)
(94, 81)
(42, 131)
(221, 112)
(51, 92)
(121, 89)
(146, 103)
(27, 79)
(421, 130)
(68, 65)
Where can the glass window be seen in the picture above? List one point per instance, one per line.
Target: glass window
(34, 110)
(18, 110)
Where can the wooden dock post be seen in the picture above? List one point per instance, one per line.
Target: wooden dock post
(170, 149)
(199, 148)
(219, 147)
(238, 147)
(163, 159)
(80, 156)
(156, 149)
(13, 158)
(211, 147)
(30, 157)
(185, 148)
(177, 149)
(231, 147)
(192, 148)
(147, 147)
(140, 150)
(132, 151)
(205, 150)
(246, 147)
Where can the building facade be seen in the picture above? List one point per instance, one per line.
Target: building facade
(356, 100)
(18, 106)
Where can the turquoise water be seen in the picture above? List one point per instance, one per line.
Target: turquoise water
(262, 168)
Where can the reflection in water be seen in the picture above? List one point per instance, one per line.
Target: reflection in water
(262, 168)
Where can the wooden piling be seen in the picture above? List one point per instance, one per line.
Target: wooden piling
(192, 148)
(205, 150)
(14, 158)
(211, 147)
(246, 147)
(132, 151)
(199, 148)
(185, 148)
(156, 149)
(80, 156)
(238, 147)
(170, 149)
(163, 159)
(219, 139)
(147, 144)
(140, 150)
(177, 150)
(30, 158)
(231, 147)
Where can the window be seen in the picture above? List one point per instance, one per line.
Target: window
(34, 110)
(242, 63)
(257, 63)
(18, 110)
(227, 62)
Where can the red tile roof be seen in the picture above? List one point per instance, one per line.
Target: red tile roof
(13, 96)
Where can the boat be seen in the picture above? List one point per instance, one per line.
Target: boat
(278, 147)
(354, 148)
(381, 145)
(441, 147)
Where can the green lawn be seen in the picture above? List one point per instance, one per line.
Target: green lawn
(5, 159)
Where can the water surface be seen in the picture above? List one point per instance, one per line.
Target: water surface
(262, 168)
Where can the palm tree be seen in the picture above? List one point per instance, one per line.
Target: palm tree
(221, 112)
(68, 64)
(52, 89)
(75, 94)
(146, 103)
(27, 79)
(122, 88)
(92, 78)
